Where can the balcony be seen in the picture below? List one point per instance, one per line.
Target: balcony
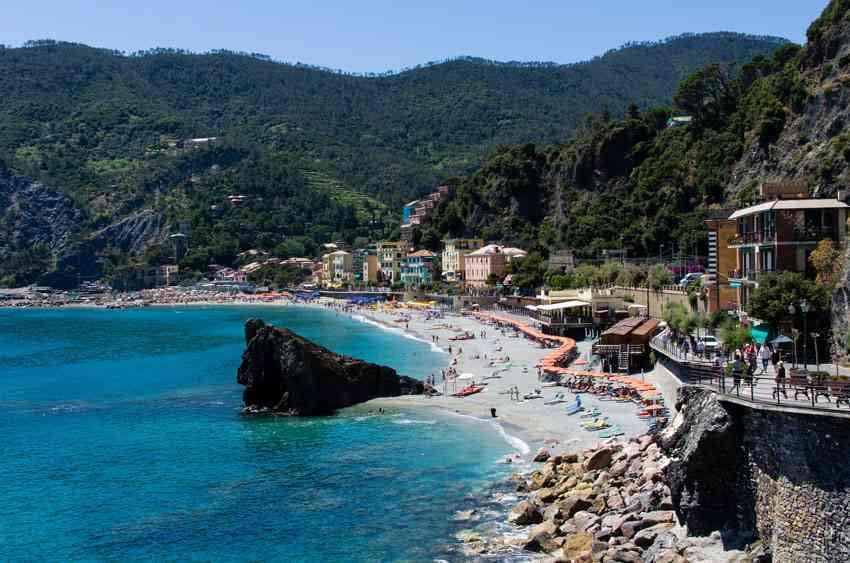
(815, 234)
(758, 237)
(751, 276)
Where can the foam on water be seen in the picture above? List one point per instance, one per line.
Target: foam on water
(398, 331)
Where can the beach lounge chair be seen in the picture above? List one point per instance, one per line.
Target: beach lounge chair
(597, 424)
(557, 399)
(611, 432)
(592, 413)
(574, 408)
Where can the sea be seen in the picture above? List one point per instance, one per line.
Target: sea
(123, 439)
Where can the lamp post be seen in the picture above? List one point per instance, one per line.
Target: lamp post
(804, 307)
(792, 311)
(815, 337)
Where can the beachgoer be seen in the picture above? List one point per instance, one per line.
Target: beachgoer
(780, 381)
(764, 355)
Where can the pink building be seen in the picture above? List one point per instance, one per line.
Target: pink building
(483, 263)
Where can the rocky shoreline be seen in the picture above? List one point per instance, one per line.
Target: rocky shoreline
(611, 503)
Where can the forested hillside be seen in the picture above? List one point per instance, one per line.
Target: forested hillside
(319, 154)
(635, 183)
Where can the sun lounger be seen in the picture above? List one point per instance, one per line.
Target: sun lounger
(611, 432)
(574, 408)
(592, 413)
(597, 424)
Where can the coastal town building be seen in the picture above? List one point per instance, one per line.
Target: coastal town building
(230, 275)
(722, 259)
(390, 256)
(780, 235)
(370, 269)
(454, 257)
(484, 264)
(416, 212)
(337, 267)
(419, 268)
(562, 260)
(135, 278)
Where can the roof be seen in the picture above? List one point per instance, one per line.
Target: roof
(624, 327)
(485, 250)
(646, 328)
(422, 254)
(565, 305)
(789, 204)
(511, 251)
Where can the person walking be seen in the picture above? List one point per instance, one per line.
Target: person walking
(780, 381)
(764, 355)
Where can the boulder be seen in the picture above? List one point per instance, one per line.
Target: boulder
(646, 537)
(704, 451)
(577, 544)
(524, 514)
(600, 459)
(287, 374)
(545, 495)
(542, 455)
(573, 504)
(584, 520)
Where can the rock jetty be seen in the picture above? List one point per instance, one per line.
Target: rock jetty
(604, 504)
(286, 374)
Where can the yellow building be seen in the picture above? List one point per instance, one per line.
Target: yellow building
(370, 269)
(390, 256)
(454, 256)
(336, 267)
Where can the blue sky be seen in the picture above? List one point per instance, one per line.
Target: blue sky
(378, 35)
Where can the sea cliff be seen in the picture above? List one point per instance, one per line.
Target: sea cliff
(286, 374)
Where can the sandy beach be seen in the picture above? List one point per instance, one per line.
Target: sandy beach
(531, 423)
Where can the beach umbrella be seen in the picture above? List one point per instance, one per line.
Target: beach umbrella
(466, 376)
(781, 339)
(580, 362)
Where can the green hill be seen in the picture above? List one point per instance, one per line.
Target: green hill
(316, 151)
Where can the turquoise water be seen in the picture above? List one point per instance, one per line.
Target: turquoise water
(123, 439)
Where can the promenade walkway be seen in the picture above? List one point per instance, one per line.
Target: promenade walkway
(800, 390)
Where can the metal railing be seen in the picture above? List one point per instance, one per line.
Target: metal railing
(799, 389)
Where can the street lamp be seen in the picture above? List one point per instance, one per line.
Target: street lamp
(815, 337)
(804, 307)
(793, 311)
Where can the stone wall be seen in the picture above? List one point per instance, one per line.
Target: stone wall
(762, 473)
(797, 469)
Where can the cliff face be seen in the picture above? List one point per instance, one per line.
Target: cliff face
(34, 214)
(813, 143)
(287, 374)
(761, 473)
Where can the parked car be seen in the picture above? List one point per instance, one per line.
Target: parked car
(689, 279)
(710, 343)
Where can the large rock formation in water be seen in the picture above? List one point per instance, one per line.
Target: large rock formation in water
(287, 374)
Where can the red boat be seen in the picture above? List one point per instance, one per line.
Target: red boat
(469, 390)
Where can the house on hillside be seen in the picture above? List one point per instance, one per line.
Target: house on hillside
(780, 235)
(454, 257)
(484, 263)
(419, 268)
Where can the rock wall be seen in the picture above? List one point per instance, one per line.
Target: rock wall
(778, 476)
(287, 374)
(841, 313)
(31, 213)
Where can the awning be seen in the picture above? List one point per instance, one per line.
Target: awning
(760, 333)
(565, 305)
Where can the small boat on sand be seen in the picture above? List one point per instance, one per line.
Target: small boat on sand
(469, 390)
